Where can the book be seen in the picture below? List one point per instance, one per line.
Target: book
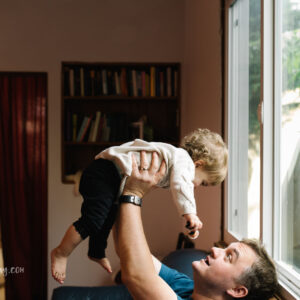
(175, 83)
(87, 86)
(104, 82)
(98, 83)
(71, 83)
(83, 128)
(157, 82)
(161, 82)
(68, 127)
(93, 83)
(134, 83)
(95, 129)
(143, 78)
(74, 127)
(117, 83)
(139, 83)
(152, 81)
(169, 82)
(147, 84)
(100, 128)
(81, 82)
(105, 130)
(77, 87)
(124, 86)
(111, 88)
(91, 131)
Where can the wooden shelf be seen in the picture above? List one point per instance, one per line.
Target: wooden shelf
(149, 90)
(120, 98)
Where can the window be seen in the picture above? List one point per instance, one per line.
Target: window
(287, 140)
(243, 124)
(265, 201)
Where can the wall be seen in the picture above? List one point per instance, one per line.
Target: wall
(38, 35)
(202, 97)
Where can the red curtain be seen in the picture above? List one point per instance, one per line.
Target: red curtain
(23, 183)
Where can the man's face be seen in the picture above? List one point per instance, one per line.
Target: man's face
(218, 272)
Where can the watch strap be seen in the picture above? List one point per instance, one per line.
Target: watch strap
(131, 199)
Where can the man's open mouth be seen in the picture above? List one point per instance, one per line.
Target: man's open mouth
(206, 260)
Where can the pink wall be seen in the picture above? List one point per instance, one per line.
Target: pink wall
(201, 106)
(38, 35)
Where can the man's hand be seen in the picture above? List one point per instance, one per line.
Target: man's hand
(143, 178)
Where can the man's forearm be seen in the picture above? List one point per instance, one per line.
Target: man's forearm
(134, 252)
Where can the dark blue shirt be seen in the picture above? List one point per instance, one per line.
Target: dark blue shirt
(180, 283)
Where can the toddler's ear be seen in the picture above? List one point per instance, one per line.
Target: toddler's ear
(199, 163)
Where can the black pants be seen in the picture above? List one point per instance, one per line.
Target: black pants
(99, 186)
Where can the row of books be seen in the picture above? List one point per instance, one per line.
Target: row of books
(126, 81)
(98, 127)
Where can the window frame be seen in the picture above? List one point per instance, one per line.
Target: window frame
(268, 115)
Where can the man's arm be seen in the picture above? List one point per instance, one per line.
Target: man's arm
(138, 271)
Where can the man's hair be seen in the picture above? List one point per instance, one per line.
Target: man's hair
(261, 278)
(208, 146)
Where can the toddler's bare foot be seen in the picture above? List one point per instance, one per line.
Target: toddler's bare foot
(58, 265)
(103, 262)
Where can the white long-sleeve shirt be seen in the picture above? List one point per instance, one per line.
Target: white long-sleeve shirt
(179, 175)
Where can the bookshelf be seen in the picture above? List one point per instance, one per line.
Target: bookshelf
(107, 104)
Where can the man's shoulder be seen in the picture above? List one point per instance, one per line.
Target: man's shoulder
(180, 283)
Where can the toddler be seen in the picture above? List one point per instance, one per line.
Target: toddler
(201, 160)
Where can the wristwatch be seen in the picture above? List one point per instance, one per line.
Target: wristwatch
(131, 199)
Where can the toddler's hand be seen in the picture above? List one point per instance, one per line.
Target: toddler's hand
(194, 224)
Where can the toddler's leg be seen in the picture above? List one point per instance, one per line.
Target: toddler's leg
(98, 242)
(59, 255)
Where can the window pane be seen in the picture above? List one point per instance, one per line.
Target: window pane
(254, 125)
(243, 125)
(290, 134)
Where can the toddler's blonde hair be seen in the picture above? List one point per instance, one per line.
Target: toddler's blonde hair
(208, 146)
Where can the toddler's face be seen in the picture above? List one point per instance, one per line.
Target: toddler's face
(201, 177)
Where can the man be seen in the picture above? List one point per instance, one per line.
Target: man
(242, 270)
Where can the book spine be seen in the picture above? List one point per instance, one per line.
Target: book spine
(147, 84)
(124, 86)
(176, 83)
(152, 81)
(91, 131)
(71, 83)
(169, 82)
(143, 76)
(96, 127)
(81, 82)
(98, 83)
(139, 83)
(74, 127)
(82, 126)
(134, 83)
(117, 83)
(93, 82)
(104, 82)
(86, 127)
(157, 83)
(161, 82)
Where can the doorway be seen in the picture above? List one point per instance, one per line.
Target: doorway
(23, 183)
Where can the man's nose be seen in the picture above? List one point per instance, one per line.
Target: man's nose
(215, 251)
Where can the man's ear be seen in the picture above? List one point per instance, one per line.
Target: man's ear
(238, 292)
(199, 163)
